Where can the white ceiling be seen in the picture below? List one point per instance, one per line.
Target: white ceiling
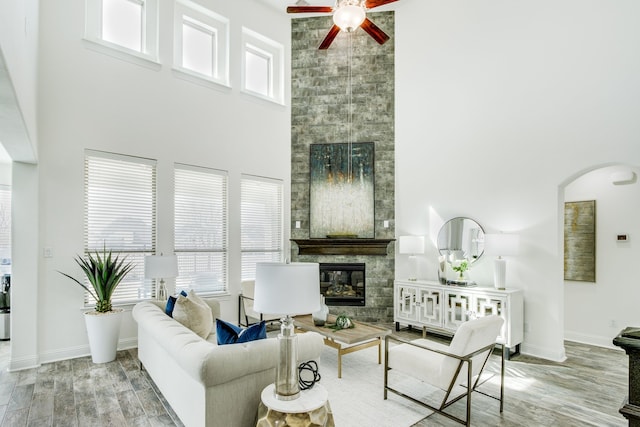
(282, 5)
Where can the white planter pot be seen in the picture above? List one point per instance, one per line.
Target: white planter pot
(103, 330)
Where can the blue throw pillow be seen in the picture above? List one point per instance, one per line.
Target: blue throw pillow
(171, 303)
(228, 333)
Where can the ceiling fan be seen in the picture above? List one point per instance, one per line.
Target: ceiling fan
(347, 16)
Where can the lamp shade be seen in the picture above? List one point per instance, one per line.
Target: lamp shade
(160, 266)
(501, 244)
(349, 17)
(411, 245)
(287, 288)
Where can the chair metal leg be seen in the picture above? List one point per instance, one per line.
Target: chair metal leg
(502, 377)
(469, 390)
(386, 365)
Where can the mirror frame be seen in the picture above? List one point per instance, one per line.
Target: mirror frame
(443, 239)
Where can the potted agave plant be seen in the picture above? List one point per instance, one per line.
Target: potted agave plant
(104, 272)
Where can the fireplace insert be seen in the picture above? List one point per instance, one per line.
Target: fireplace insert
(343, 283)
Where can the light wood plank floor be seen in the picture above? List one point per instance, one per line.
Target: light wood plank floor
(586, 390)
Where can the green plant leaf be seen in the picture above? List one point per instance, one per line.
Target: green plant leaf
(104, 273)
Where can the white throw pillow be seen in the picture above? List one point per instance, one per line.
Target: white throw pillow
(194, 313)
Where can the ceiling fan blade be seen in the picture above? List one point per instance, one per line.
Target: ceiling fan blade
(333, 32)
(374, 31)
(309, 9)
(370, 4)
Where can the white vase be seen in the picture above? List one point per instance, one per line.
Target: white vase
(103, 330)
(320, 316)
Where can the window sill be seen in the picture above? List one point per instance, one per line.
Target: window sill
(256, 95)
(201, 79)
(122, 53)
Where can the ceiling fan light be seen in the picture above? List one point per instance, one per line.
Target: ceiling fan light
(349, 17)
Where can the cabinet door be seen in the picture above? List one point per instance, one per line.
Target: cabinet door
(429, 307)
(457, 309)
(406, 302)
(487, 305)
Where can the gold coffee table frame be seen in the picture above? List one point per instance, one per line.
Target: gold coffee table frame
(361, 336)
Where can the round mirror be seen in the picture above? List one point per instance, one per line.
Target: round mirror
(461, 238)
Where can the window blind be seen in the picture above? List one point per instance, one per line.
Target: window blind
(261, 222)
(201, 229)
(120, 215)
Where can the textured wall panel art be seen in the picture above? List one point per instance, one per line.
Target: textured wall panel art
(580, 241)
(341, 190)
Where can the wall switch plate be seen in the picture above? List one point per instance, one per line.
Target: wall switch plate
(385, 223)
(48, 253)
(298, 224)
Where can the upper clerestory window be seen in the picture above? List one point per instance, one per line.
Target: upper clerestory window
(201, 42)
(126, 27)
(262, 66)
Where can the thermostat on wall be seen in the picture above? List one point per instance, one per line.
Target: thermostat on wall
(622, 237)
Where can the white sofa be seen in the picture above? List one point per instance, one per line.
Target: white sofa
(207, 384)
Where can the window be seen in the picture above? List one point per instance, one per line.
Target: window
(127, 26)
(201, 42)
(120, 215)
(261, 222)
(262, 66)
(201, 229)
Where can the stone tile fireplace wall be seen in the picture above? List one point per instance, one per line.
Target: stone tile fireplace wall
(319, 114)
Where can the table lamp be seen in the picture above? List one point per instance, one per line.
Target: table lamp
(501, 245)
(412, 245)
(160, 267)
(289, 288)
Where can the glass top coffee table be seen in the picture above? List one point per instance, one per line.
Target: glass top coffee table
(362, 335)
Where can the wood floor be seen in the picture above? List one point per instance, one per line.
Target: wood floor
(79, 393)
(586, 390)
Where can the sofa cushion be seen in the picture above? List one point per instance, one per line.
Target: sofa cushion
(229, 333)
(171, 303)
(194, 313)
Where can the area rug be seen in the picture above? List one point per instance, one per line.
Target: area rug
(357, 400)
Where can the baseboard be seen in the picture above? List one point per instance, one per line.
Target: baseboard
(597, 340)
(64, 354)
(21, 363)
(543, 352)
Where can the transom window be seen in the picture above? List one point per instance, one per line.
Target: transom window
(262, 66)
(125, 26)
(201, 42)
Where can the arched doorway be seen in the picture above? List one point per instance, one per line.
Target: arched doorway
(595, 312)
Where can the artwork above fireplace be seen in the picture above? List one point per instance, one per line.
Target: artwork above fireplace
(342, 190)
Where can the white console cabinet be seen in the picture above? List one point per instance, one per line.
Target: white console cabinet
(442, 308)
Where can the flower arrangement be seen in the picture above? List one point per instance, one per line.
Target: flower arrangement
(461, 268)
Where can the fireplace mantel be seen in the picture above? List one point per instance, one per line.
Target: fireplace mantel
(342, 246)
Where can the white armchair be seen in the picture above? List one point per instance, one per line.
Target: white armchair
(445, 366)
(246, 314)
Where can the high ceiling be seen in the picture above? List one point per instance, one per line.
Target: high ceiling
(282, 5)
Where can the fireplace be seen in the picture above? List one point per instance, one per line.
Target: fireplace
(342, 283)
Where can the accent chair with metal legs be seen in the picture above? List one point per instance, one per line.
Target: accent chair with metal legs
(446, 366)
(246, 314)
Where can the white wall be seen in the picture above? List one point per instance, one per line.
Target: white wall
(498, 104)
(91, 100)
(19, 49)
(597, 312)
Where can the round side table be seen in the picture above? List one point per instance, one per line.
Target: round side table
(311, 409)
